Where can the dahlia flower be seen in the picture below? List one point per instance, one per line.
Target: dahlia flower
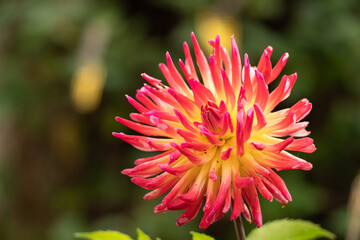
(219, 135)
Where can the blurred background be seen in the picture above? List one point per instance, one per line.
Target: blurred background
(65, 67)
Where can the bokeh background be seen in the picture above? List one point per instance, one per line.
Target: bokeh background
(65, 67)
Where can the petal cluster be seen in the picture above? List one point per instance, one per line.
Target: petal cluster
(219, 135)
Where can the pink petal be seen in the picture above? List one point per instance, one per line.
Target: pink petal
(278, 67)
(262, 94)
(225, 154)
(240, 132)
(143, 129)
(202, 63)
(189, 62)
(200, 92)
(235, 66)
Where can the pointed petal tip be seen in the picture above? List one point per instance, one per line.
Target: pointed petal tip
(266, 54)
(285, 57)
(168, 57)
(174, 145)
(246, 61)
(284, 203)
(118, 135)
(212, 175)
(192, 81)
(308, 166)
(259, 75)
(193, 37)
(171, 91)
(181, 221)
(211, 59)
(126, 171)
(163, 166)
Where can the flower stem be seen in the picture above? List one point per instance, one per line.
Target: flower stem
(239, 228)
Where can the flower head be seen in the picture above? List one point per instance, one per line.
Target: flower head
(218, 133)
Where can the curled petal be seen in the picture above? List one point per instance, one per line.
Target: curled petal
(251, 197)
(161, 155)
(197, 146)
(302, 145)
(242, 182)
(143, 129)
(260, 117)
(144, 143)
(278, 147)
(225, 154)
(177, 171)
(153, 81)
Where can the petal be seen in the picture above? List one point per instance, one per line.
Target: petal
(178, 79)
(235, 66)
(278, 67)
(145, 143)
(262, 94)
(247, 81)
(225, 154)
(252, 199)
(143, 129)
(202, 64)
(189, 62)
(240, 132)
(201, 93)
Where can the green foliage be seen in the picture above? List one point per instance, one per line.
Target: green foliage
(104, 235)
(114, 235)
(201, 236)
(286, 229)
(142, 235)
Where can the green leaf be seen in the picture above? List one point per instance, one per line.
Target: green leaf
(201, 236)
(286, 229)
(104, 235)
(142, 235)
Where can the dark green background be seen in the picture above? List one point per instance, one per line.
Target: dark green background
(60, 169)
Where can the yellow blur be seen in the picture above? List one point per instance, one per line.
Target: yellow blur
(87, 87)
(209, 23)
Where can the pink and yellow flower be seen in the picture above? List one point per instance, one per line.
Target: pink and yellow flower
(219, 134)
